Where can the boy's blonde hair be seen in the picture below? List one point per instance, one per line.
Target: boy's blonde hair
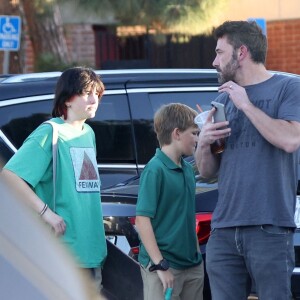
(171, 116)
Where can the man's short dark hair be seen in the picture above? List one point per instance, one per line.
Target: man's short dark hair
(246, 33)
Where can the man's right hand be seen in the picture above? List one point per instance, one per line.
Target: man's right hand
(211, 132)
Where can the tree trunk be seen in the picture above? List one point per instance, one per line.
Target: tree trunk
(45, 29)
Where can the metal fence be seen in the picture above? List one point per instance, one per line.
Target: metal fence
(153, 51)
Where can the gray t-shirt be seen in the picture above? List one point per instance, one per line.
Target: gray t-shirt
(257, 181)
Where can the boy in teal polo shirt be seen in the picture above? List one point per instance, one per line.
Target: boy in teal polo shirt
(165, 212)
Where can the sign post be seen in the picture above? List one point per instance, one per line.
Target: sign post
(261, 23)
(10, 31)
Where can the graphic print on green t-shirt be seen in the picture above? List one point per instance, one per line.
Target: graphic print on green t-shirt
(85, 169)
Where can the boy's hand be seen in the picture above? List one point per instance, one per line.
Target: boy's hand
(166, 278)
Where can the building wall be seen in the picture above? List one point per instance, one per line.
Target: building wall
(29, 55)
(284, 45)
(81, 43)
(270, 10)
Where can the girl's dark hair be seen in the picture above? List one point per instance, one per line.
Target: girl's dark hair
(246, 33)
(72, 82)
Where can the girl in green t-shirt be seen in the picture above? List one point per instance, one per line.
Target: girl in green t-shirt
(74, 213)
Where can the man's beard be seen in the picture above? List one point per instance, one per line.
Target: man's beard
(229, 71)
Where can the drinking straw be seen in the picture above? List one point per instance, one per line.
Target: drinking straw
(199, 108)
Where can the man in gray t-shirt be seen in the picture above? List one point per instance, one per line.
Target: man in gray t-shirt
(253, 223)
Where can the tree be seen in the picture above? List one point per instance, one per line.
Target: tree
(45, 29)
(168, 16)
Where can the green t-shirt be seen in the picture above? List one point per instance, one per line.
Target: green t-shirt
(167, 197)
(78, 199)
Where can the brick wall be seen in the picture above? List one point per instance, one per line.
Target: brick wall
(284, 46)
(29, 55)
(81, 44)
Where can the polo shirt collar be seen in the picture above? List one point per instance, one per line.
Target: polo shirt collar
(167, 161)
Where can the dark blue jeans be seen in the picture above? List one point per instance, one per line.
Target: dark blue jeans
(237, 256)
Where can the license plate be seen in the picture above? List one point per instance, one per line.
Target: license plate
(297, 212)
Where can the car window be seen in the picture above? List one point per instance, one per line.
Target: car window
(112, 126)
(19, 120)
(113, 130)
(189, 98)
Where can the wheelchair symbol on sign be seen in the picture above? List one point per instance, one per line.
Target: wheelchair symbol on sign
(8, 28)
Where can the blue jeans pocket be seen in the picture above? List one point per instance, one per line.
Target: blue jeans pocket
(271, 229)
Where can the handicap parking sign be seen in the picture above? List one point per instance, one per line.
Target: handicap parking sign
(10, 31)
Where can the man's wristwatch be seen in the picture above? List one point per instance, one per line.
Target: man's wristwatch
(163, 265)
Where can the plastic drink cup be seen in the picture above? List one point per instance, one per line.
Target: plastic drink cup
(201, 118)
(168, 293)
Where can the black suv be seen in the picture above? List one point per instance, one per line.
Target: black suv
(124, 135)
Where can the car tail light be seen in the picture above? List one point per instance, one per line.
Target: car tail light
(203, 227)
(132, 220)
(135, 250)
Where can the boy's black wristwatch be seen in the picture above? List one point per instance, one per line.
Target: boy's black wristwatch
(163, 265)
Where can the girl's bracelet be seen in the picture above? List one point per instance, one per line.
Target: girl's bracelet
(44, 209)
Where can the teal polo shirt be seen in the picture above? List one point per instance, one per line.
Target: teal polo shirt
(167, 197)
